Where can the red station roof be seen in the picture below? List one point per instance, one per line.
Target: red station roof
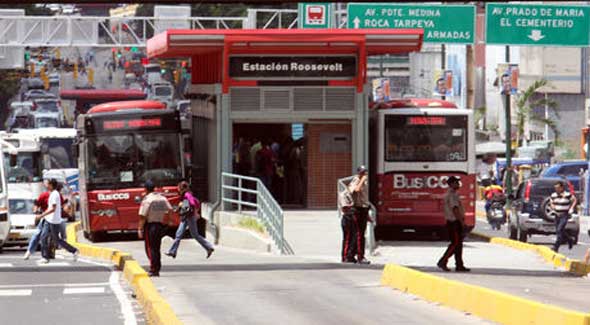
(102, 94)
(130, 104)
(185, 43)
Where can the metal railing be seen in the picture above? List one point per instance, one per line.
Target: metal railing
(272, 18)
(250, 192)
(62, 31)
(371, 243)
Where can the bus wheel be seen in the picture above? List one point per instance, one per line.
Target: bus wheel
(95, 236)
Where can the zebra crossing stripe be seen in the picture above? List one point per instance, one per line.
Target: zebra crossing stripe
(13, 293)
(87, 290)
(2, 265)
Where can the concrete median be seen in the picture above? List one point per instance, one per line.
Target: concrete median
(157, 310)
(486, 303)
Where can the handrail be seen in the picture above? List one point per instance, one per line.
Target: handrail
(268, 211)
(371, 243)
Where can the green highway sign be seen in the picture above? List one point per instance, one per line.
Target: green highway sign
(441, 23)
(314, 15)
(541, 25)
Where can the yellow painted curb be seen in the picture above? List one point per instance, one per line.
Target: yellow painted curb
(485, 303)
(157, 310)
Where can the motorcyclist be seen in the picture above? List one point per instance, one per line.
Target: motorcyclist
(493, 193)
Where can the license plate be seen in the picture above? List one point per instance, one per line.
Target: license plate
(548, 229)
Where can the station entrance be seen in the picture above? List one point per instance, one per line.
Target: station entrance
(251, 86)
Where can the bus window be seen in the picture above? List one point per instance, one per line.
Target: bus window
(425, 138)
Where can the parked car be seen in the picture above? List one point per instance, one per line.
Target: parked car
(531, 211)
(22, 217)
(572, 170)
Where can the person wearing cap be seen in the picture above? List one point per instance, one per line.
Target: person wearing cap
(455, 217)
(153, 212)
(359, 188)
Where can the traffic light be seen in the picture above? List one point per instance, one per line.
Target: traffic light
(162, 71)
(119, 54)
(90, 76)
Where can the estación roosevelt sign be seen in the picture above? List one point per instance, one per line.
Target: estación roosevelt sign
(261, 67)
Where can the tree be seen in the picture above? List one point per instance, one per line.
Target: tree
(527, 102)
(9, 87)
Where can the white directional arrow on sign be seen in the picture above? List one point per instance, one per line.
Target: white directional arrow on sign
(536, 35)
(356, 22)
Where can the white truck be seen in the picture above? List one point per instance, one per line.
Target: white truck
(4, 215)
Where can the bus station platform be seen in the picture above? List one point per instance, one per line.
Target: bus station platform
(315, 237)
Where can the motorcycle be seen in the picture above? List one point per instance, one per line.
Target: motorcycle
(496, 214)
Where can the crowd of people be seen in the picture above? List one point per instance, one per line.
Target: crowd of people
(279, 165)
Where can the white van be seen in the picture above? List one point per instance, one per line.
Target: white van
(162, 92)
(22, 217)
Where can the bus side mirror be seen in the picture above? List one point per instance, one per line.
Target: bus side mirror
(13, 160)
(188, 144)
(75, 151)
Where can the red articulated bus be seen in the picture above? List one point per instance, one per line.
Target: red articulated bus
(416, 144)
(120, 146)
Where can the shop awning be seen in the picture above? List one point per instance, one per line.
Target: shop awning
(186, 43)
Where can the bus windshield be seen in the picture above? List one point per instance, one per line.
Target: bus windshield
(60, 153)
(425, 138)
(27, 168)
(130, 159)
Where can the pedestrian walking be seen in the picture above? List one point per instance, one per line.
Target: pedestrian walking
(349, 231)
(152, 212)
(455, 217)
(562, 204)
(359, 187)
(52, 225)
(190, 212)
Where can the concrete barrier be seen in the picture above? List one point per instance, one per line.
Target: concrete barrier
(486, 303)
(156, 309)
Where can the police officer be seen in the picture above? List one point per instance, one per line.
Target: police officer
(359, 187)
(455, 216)
(152, 212)
(349, 231)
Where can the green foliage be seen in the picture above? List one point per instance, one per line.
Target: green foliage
(525, 104)
(9, 86)
(252, 224)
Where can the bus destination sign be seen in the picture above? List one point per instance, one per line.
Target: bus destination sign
(131, 124)
(292, 67)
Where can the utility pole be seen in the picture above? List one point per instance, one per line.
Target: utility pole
(508, 123)
(443, 64)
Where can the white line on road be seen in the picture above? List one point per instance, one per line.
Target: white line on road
(52, 285)
(6, 265)
(126, 307)
(53, 264)
(12, 293)
(84, 290)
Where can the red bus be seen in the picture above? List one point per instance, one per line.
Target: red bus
(416, 144)
(120, 146)
(83, 99)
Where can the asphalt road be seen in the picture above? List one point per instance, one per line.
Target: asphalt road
(577, 252)
(63, 292)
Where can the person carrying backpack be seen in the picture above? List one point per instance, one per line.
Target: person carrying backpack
(190, 211)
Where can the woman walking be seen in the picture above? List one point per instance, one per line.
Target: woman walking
(190, 211)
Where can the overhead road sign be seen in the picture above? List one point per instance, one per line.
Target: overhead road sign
(441, 23)
(537, 25)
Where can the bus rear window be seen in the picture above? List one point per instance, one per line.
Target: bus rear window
(425, 138)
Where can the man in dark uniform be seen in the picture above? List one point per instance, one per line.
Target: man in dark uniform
(349, 231)
(359, 187)
(152, 213)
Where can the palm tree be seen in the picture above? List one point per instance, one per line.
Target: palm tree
(525, 104)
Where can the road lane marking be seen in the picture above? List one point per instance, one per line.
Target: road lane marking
(54, 285)
(126, 307)
(83, 290)
(53, 264)
(13, 293)
(6, 265)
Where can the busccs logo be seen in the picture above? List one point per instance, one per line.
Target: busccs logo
(113, 196)
(400, 181)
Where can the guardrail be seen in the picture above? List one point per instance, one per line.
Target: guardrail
(250, 192)
(371, 243)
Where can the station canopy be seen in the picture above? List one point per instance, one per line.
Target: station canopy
(366, 42)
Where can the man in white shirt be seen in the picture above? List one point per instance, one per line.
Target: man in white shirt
(52, 225)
